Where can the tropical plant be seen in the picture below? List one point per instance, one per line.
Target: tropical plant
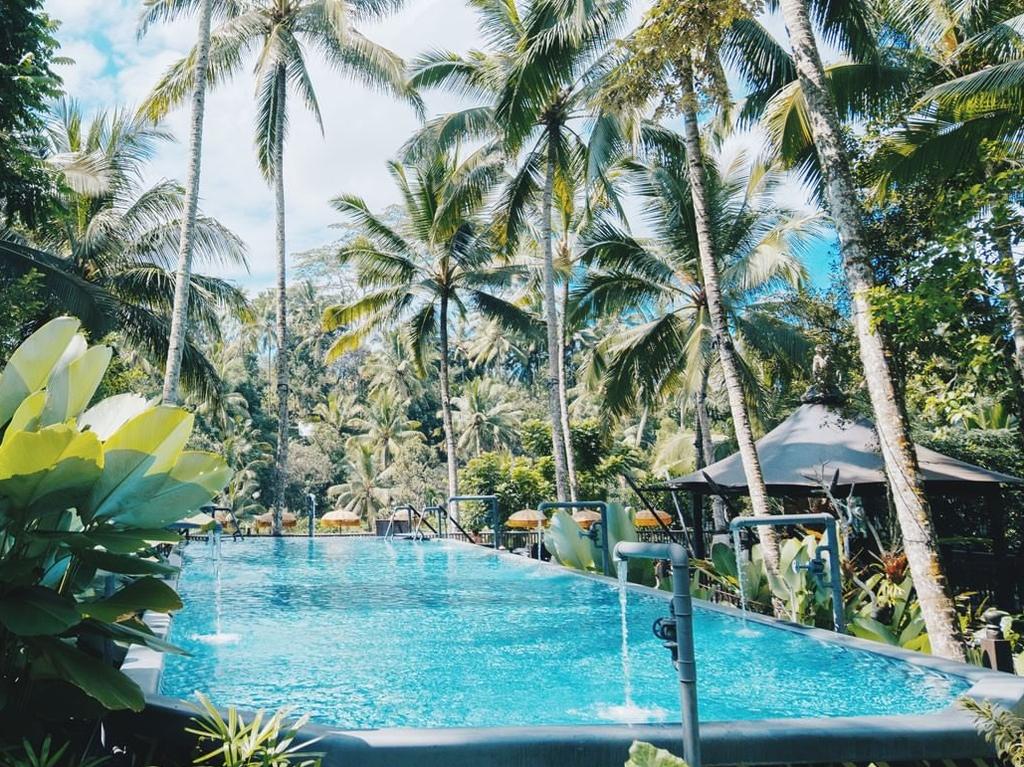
(384, 426)
(487, 415)
(86, 494)
(646, 755)
(1002, 728)
(106, 246)
(282, 31)
(439, 261)
(539, 81)
(367, 489)
(161, 10)
(263, 741)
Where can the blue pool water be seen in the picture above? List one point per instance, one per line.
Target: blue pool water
(365, 633)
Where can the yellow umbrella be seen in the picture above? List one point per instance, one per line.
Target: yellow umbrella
(646, 518)
(341, 518)
(586, 517)
(527, 518)
(267, 520)
(200, 521)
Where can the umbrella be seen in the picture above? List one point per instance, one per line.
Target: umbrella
(341, 518)
(646, 518)
(528, 518)
(586, 517)
(266, 520)
(200, 521)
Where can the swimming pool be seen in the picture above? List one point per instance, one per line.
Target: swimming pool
(370, 634)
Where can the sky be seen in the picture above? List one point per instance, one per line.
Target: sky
(362, 129)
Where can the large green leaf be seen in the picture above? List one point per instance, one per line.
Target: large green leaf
(564, 540)
(37, 611)
(26, 417)
(137, 596)
(132, 631)
(95, 678)
(646, 755)
(71, 387)
(31, 364)
(137, 459)
(55, 462)
(124, 564)
(195, 479)
(107, 416)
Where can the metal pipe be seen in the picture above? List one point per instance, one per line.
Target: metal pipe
(684, 658)
(835, 574)
(492, 500)
(601, 506)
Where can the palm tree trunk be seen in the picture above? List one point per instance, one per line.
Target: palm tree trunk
(182, 281)
(720, 328)
(563, 398)
(446, 410)
(281, 464)
(912, 509)
(1007, 270)
(706, 452)
(551, 318)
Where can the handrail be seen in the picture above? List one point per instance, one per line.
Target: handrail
(492, 500)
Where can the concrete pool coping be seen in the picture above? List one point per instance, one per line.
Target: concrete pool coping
(948, 733)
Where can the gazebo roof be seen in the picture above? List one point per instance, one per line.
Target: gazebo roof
(806, 450)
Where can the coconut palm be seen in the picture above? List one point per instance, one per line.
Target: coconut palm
(107, 244)
(155, 11)
(905, 480)
(367, 490)
(384, 425)
(487, 415)
(667, 349)
(280, 33)
(539, 81)
(437, 264)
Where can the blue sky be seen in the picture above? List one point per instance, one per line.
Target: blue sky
(362, 129)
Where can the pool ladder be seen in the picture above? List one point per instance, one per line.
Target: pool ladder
(416, 533)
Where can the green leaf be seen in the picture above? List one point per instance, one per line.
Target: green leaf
(107, 416)
(55, 461)
(138, 596)
(137, 458)
(95, 678)
(37, 611)
(130, 632)
(645, 755)
(31, 364)
(71, 387)
(26, 417)
(124, 564)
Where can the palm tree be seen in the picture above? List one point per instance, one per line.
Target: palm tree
(540, 81)
(384, 425)
(280, 32)
(920, 543)
(439, 261)
(163, 10)
(487, 415)
(107, 244)
(367, 490)
(668, 347)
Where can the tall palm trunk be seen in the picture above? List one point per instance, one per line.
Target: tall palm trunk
(558, 451)
(719, 325)
(446, 410)
(182, 281)
(912, 510)
(1007, 270)
(706, 451)
(281, 465)
(563, 396)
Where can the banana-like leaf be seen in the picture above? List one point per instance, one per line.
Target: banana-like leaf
(124, 564)
(92, 676)
(565, 540)
(37, 611)
(27, 416)
(31, 364)
(137, 459)
(646, 755)
(724, 559)
(70, 388)
(620, 527)
(140, 595)
(54, 463)
(132, 631)
(107, 416)
(195, 479)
